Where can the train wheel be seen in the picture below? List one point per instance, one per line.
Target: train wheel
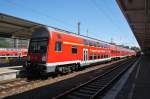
(72, 68)
(44, 76)
(77, 66)
(64, 70)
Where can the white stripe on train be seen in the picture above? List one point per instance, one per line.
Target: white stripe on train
(52, 66)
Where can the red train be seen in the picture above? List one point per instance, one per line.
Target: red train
(12, 52)
(13, 56)
(53, 50)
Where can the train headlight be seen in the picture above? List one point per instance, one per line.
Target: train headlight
(44, 58)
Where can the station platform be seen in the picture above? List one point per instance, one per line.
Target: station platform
(138, 83)
(8, 73)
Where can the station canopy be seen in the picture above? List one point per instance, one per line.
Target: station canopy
(137, 13)
(12, 27)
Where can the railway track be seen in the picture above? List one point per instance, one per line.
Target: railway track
(12, 84)
(96, 87)
(10, 87)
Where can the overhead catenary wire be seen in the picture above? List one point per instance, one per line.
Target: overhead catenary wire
(101, 10)
(118, 26)
(111, 14)
(108, 16)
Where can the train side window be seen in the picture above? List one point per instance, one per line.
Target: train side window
(104, 55)
(98, 56)
(95, 56)
(90, 43)
(58, 46)
(107, 56)
(91, 56)
(94, 44)
(74, 49)
(86, 42)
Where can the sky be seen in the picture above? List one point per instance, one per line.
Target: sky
(102, 19)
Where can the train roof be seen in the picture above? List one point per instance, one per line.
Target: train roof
(85, 37)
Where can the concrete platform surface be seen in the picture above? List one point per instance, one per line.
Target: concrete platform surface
(7, 73)
(138, 84)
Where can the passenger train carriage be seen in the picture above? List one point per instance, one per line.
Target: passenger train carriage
(12, 52)
(12, 55)
(52, 50)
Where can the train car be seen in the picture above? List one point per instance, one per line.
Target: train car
(52, 50)
(12, 52)
(8, 55)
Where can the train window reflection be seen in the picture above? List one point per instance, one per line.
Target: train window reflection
(58, 46)
(38, 46)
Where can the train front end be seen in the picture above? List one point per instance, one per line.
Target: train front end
(37, 52)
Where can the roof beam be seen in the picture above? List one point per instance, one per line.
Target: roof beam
(137, 23)
(133, 11)
(29, 29)
(146, 16)
(25, 31)
(7, 35)
(9, 23)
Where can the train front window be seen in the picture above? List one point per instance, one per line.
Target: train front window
(38, 46)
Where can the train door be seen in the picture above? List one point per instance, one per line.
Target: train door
(85, 55)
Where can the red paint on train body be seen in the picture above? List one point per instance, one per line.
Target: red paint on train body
(53, 50)
(12, 52)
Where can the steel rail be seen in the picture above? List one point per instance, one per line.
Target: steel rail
(99, 83)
